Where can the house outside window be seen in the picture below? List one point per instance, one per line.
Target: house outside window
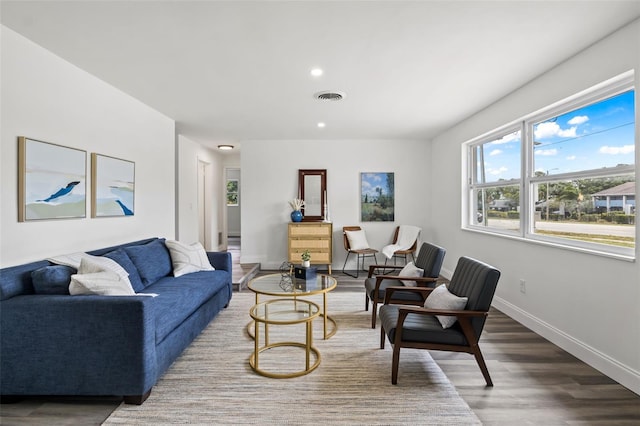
(564, 175)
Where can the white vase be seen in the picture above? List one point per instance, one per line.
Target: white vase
(306, 263)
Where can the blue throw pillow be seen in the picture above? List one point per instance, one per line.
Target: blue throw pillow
(120, 256)
(53, 279)
(152, 260)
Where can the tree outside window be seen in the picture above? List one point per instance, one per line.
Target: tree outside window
(232, 192)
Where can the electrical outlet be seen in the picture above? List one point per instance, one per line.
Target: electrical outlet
(523, 286)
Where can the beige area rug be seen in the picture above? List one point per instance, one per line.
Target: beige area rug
(212, 382)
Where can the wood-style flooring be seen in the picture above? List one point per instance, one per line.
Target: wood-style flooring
(535, 383)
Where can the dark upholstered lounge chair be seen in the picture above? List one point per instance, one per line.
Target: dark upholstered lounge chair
(418, 327)
(430, 259)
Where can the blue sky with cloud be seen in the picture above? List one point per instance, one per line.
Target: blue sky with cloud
(596, 136)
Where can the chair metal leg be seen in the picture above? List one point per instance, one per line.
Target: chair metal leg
(366, 302)
(383, 337)
(358, 257)
(375, 261)
(345, 264)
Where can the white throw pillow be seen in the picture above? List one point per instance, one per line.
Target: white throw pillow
(410, 270)
(107, 264)
(70, 259)
(93, 278)
(188, 258)
(357, 240)
(441, 298)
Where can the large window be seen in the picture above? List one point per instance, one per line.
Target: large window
(495, 186)
(565, 175)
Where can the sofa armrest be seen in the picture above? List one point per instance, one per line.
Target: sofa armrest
(220, 260)
(77, 345)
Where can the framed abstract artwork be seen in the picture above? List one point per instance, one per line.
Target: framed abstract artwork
(51, 181)
(112, 186)
(377, 197)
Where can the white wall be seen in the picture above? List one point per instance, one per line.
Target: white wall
(270, 179)
(588, 305)
(46, 98)
(189, 153)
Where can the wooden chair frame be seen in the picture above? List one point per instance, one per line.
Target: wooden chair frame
(464, 318)
(375, 300)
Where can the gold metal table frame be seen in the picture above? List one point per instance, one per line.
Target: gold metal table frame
(284, 312)
(269, 285)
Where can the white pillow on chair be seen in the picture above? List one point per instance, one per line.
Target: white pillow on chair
(357, 240)
(410, 270)
(441, 298)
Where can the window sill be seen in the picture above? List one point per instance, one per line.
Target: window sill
(593, 252)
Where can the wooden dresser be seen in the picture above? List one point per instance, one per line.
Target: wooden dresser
(313, 236)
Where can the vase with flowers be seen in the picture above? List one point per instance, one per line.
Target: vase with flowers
(306, 258)
(296, 204)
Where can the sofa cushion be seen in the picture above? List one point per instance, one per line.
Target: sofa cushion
(188, 258)
(94, 278)
(152, 261)
(53, 279)
(123, 259)
(178, 298)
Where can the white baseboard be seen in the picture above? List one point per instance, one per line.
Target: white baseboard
(608, 366)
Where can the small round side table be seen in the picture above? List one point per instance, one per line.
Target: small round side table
(284, 312)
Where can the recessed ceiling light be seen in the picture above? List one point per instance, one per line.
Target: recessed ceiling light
(225, 147)
(321, 125)
(316, 72)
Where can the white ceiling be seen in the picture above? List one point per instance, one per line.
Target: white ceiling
(228, 71)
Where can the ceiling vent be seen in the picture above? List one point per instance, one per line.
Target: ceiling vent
(330, 96)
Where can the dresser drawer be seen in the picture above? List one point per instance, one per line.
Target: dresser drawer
(316, 257)
(309, 244)
(310, 230)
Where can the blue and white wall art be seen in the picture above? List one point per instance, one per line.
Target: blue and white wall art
(51, 180)
(113, 186)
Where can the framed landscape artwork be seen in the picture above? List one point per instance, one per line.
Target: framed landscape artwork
(377, 197)
(112, 186)
(51, 181)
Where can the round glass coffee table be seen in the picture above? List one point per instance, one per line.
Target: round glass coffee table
(280, 312)
(282, 285)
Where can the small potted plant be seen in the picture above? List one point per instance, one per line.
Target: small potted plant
(306, 258)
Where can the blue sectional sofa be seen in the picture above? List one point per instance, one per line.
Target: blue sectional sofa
(59, 344)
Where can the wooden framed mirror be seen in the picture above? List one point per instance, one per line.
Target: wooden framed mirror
(312, 187)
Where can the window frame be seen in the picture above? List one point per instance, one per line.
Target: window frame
(527, 181)
(236, 192)
(473, 185)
